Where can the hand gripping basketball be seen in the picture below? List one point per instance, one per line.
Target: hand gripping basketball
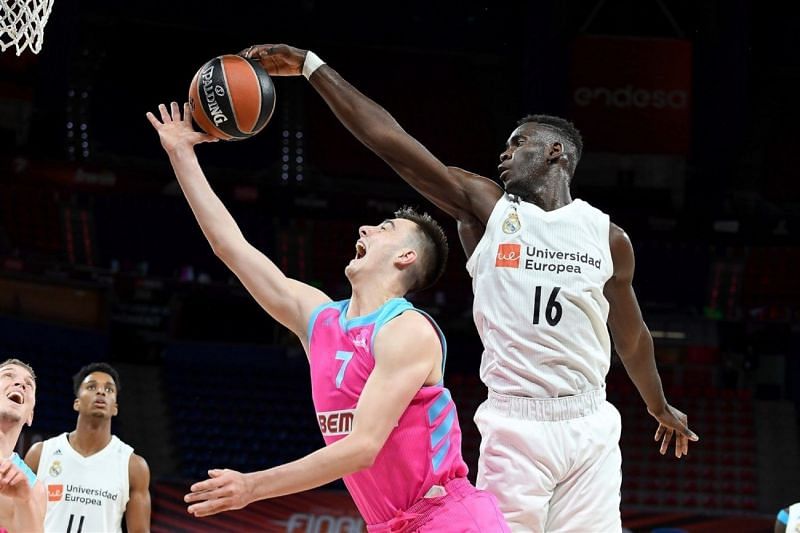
(232, 97)
(277, 59)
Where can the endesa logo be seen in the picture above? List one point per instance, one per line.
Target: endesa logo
(55, 493)
(508, 255)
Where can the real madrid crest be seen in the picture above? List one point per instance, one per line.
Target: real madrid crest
(512, 224)
(55, 468)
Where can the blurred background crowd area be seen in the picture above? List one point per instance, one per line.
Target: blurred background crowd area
(688, 112)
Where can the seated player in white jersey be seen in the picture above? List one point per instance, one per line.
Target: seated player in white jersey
(550, 276)
(22, 496)
(93, 479)
(377, 363)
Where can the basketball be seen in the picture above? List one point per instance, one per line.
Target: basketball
(231, 97)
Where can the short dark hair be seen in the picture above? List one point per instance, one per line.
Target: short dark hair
(15, 361)
(435, 249)
(563, 126)
(78, 378)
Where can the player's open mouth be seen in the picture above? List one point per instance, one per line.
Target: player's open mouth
(361, 249)
(16, 397)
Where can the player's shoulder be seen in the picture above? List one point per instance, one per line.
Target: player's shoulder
(618, 238)
(138, 464)
(410, 327)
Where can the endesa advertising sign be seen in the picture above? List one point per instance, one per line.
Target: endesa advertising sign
(632, 95)
(315, 511)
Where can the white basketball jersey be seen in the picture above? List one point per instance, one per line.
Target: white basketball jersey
(84, 494)
(538, 279)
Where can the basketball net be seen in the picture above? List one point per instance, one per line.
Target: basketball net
(22, 24)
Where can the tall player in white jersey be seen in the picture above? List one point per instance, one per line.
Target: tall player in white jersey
(551, 275)
(92, 477)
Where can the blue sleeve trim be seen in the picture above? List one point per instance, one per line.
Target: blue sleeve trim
(315, 313)
(390, 310)
(783, 517)
(19, 463)
(397, 306)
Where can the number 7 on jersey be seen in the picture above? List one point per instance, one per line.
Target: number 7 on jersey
(345, 357)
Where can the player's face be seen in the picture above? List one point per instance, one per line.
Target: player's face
(379, 246)
(97, 396)
(19, 393)
(525, 162)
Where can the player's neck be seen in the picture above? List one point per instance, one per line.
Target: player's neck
(548, 196)
(90, 436)
(364, 301)
(8, 438)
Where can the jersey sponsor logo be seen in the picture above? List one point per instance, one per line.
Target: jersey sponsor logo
(557, 261)
(333, 423)
(80, 494)
(55, 492)
(508, 255)
(55, 468)
(58, 452)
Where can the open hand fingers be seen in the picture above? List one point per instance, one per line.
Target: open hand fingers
(681, 445)
(153, 120)
(207, 508)
(187, 113)
(175, 112)
(666, 440)
(659, 432)
(162, 110)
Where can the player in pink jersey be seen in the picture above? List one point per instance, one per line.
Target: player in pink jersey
(23, 498)
(390, 426)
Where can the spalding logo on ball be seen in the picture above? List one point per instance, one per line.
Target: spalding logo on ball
(231, 97)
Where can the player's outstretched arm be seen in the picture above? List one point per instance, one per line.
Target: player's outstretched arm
(406, 352)
(30, 501)
(634, 344)
(137, 512)
(288, 301)
(461, 194)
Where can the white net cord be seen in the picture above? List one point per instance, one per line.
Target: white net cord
(22, 24)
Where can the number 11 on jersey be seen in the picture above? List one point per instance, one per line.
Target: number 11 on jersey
(553, 310)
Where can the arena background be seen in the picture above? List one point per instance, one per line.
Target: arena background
(689, 115)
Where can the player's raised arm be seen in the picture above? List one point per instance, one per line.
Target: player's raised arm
(461, 194)
(634, 344)
(288, 301)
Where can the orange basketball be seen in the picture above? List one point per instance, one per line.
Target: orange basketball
(231, 97)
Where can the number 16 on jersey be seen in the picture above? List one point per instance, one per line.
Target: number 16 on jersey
(552, 310)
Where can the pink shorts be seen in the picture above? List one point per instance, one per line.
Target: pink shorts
(463, 509)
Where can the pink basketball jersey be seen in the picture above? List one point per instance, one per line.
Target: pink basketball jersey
(422, 451)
